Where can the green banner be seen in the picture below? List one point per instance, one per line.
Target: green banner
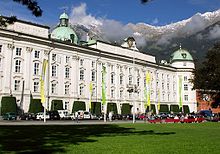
(180, 92)
(103, 85)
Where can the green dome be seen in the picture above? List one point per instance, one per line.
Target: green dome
(64, 32)
(181, 55)
(64, 16)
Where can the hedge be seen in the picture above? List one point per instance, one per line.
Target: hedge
(174, 108)
(35, 106)
(186, 109)
(164, 108)
(8, 104)
(112, 107)
(78, 105)
(125, 109)
(96, 108)
(56, 105)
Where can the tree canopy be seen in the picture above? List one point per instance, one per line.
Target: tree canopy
(207, 76)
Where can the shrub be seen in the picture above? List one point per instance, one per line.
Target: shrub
(174, 108)
(96, 108)
(78, 105)
(164, 108)
(8, 104)
(36, 106)
(56, 105)
(125, 109)
(112, 107)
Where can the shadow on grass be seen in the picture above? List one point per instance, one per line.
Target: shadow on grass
(50, 139)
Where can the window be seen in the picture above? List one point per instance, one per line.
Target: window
(112, 78)
(67, 59)
(121, 79)
(54, 57)
(93, 91)
(130, 80)
(67, 89)
(162, 76)
(81, 62)
(121, 69)
(168, 86)
(81, 75)
(54, 70)
(168, 97)
(53, 88)
(162, 85)
(36, 68)
(112, 68)
(0, 48)
(67, 72)
(186, 97)
(93, 75)
(18, 52)
(66, 105)
(0, 63)
(81, 89)
(36, 86)
(129, 70)
(17, 85)
(185, 87)
(36, 54)
(17, 66)
(93, 64)
(130, 95)
(112, 93)
(185, 78)
(121, 93)
(138, 81)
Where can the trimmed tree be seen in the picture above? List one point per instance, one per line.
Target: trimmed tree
(125, 109)
(96, 108)
(78, 105)
(35, 106)
(8, 104)
(56, 105)
(112, 107)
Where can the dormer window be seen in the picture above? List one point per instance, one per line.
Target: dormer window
(184, 55)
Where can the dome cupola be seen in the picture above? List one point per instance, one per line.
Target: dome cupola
(63, 31)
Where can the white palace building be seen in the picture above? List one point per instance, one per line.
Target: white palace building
(74, 67)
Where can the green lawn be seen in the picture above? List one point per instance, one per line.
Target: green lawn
(123, 139)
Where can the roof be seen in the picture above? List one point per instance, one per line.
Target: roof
(64, 16)
(181, 55)
(64, 34)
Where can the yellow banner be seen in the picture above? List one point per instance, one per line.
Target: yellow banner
(42, 80)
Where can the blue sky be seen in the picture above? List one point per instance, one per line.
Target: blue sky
(157, 12)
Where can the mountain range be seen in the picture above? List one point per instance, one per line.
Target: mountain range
(196, 34)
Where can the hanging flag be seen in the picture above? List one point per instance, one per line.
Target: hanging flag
(148, 88)
(145, 98)
(90, 90)
(42, 80)
(158, 103)
(180, 93)
(103, 85)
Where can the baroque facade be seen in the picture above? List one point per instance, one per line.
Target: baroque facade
(74, 68)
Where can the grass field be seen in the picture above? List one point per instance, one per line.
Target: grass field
(180, 138)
